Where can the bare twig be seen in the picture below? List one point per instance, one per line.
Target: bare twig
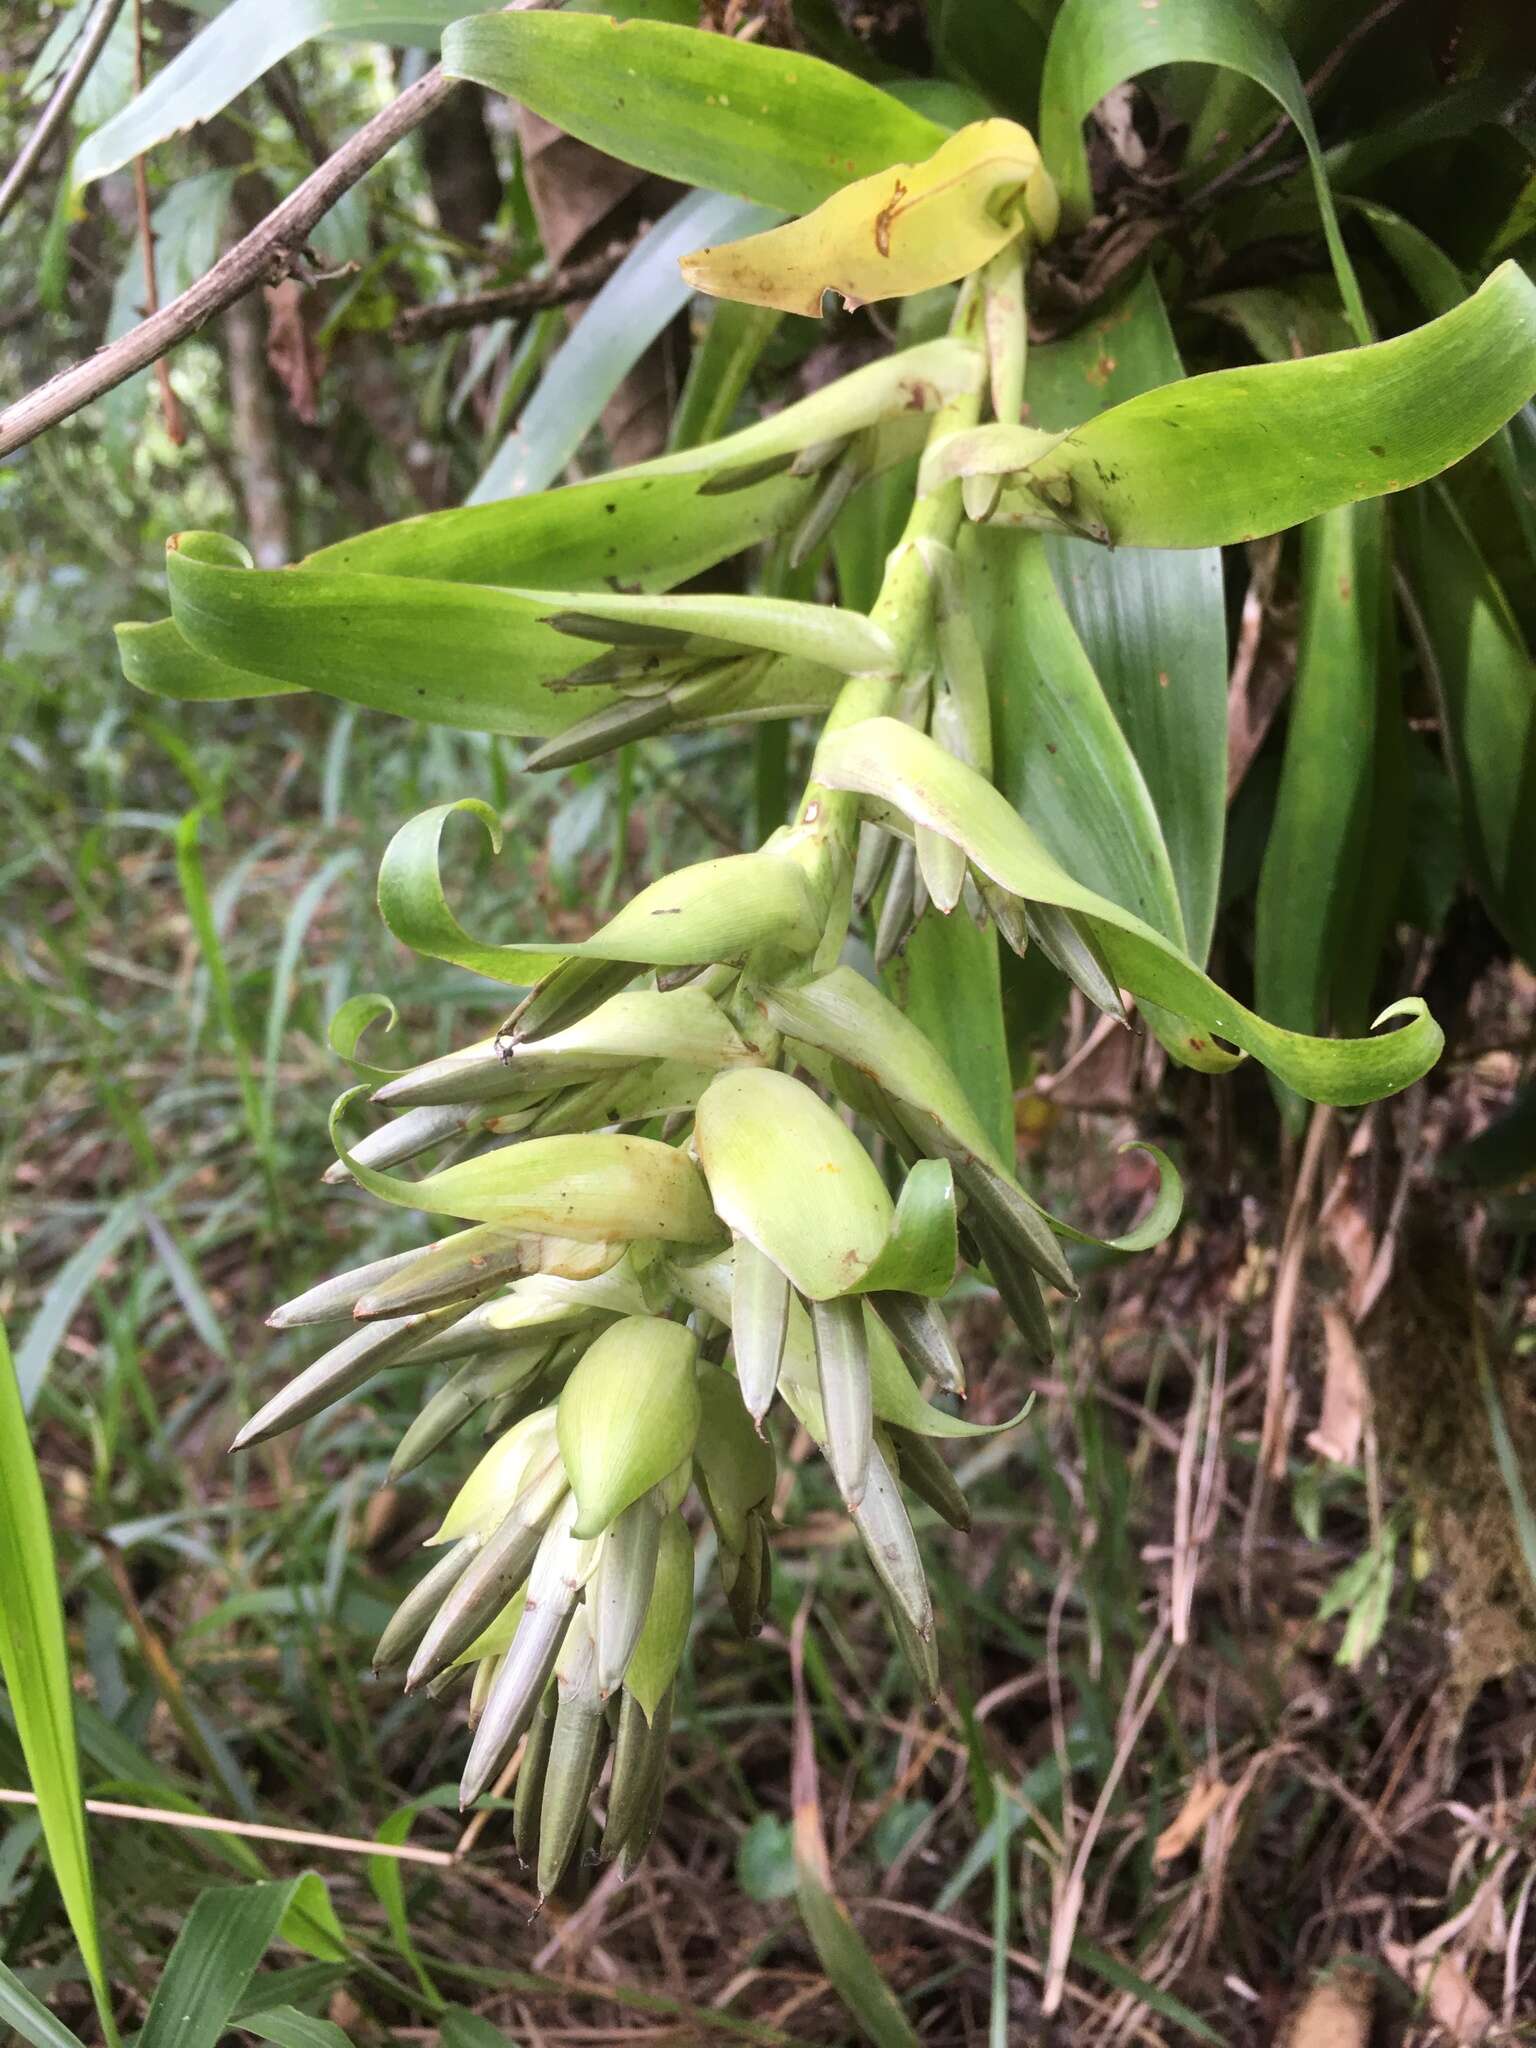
(528, 295)
(263, 256)
(252, 1830)
(175, 426)
(56, 113)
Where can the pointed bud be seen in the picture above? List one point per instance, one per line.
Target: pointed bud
(476, 1383)
(559, 1572)
(748, 1579)
(474, 1074)
(529, 1794)
(404, 1137)
(628, 1414)
(456, 1268)
(409, 1621)
(621, 1589)
(759, 1318)
(924, 1471)
(922, 1335)
(1066, 941)
(573, 989)
(842, 1371)
(575, 1754)
(659, 1651)
(898, 907)
(1017, 1287)
(479, 1690)
(734, 1468)
(492, 1579)
(883, 1523)
(341, 1371)
(638, 1749)
(332, 1300)
(941, 863)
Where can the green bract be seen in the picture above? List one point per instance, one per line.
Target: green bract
(785, 1171)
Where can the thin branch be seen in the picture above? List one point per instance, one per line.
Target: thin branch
(253, 1830)
(262, 257)
(175, 426)
(528, 295)
(54, 115)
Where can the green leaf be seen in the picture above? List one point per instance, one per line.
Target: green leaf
(768, 125)
(1484, 679)
(1097, 44)
(1240, 453)
(460, 654)
(287, 2027)
(232, 52)
(715, 910)
(34, 1661)
(643, 530)
(228, 1931)
(896, 765)
(643, 296)
(29, 2017)
(1152, 621)
(1062, 759)
(851, 1969)
(1319, 855)
(923, 1249)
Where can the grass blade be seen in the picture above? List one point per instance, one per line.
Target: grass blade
(226, 1935)
(35, 1662)
(67, 1289)
(29, 2018)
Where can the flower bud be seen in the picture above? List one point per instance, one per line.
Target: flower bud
(628, 1414)
(622, 1588)
(759, 1318)
(785, 1171)
(659, 1651)
(842, 1371)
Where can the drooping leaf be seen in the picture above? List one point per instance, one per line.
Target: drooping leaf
(715, 910)
(1096, 44)
(769, 125)
(896, 765)
(1240, 453)
(948, 982)
(643, 530)
(1152, 621)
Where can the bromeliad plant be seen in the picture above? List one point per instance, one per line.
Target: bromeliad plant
(707, 1163)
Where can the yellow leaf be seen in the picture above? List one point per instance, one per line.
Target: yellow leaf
(904, 230)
